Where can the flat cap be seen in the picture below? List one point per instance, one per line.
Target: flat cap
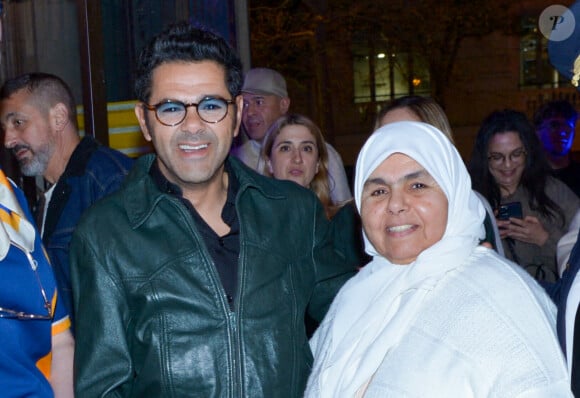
(265, 81)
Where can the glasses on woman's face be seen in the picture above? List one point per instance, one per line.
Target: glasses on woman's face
(516, 156)
(171, 113)
(14, 314)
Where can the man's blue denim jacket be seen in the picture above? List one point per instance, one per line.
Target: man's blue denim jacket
(92, 172)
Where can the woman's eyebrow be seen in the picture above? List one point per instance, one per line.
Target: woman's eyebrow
(382, 181)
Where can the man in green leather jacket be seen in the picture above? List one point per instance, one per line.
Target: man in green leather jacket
(193, 280)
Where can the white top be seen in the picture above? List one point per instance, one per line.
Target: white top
(485, 330)
(47, 197)
(566, 243)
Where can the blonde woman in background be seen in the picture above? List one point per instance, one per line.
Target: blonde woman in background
(295, 150)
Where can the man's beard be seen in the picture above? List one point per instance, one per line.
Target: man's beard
(37, 164)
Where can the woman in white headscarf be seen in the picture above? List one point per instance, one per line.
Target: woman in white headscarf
(434, 314)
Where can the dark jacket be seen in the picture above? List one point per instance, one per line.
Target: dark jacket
(559, 292)
(153, 319)
(92, 172)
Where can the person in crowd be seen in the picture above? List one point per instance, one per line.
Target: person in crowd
(566, 294)
(434, 314)
(195, 277)
(265, 100)
(37, 346)
(555, 124)
(416, 108)
(508, 166)
(566, 243)
(39, 121)
(295, 150)
(564, 55)
(568, 316)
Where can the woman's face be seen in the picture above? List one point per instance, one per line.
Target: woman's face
(507, 159)
(294, 155)
(403, 209)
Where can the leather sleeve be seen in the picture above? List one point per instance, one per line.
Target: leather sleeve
(102, 364)
(331, 269)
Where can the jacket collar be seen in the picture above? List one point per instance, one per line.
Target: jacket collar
(75, 167)
(142, 194)
(80, 157)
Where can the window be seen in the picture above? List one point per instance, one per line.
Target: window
(383, 75)
(535, 68)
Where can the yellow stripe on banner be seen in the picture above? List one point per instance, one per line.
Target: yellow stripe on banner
(124, 130)
(12, 219)
(128, 140)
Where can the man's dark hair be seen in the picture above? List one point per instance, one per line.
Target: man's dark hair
(536, 170)
(557, 108)
(47, 90)
(183, 43)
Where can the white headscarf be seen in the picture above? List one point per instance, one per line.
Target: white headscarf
(373, 310)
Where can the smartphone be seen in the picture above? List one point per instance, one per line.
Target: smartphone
(512, 209)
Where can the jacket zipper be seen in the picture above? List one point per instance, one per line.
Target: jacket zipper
(234, 351)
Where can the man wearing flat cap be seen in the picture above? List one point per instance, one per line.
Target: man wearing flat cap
(265, 100)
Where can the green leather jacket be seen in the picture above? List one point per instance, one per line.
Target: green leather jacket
(152, 318)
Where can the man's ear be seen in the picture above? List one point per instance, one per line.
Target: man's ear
(239, 112)
(284, 105)
(59, 116)
(140, 113)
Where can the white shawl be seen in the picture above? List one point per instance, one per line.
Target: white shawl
(373, 310)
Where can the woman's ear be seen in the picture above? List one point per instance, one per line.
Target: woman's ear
(269, 164)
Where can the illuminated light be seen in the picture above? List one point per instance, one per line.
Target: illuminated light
(381, 55)
(416, 82)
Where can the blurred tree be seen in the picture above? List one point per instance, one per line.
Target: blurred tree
(297, 36)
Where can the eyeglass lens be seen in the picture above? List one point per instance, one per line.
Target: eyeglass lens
(514, 156)
(210, 110)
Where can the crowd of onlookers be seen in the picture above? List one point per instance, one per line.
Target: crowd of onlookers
(235, 261)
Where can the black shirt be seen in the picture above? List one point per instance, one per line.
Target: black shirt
(224, 250)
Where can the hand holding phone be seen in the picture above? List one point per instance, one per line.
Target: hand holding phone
(510, 210)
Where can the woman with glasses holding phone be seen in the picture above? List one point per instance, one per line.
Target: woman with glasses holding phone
(36, 350)
(533, 208)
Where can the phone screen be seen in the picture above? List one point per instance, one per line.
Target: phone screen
(510, 210)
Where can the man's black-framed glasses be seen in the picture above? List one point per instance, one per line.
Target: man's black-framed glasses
(210, 110)
(21, 315)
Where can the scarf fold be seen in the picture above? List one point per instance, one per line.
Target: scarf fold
(373, 311)
(14, 227)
